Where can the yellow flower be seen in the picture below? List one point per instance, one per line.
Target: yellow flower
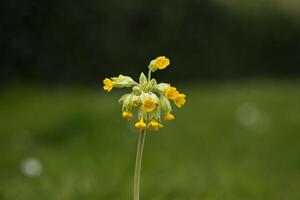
(154, 125)
(169, 117)
(179, 100)
(140, 124)
(171, 93)
(127, 115)
(149, 105)
(108, 84)
(150, 100)
(162, 62)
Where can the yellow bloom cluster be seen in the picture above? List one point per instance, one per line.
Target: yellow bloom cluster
(149, 98)
(173, 94)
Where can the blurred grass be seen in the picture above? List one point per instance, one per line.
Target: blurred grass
(232, 141)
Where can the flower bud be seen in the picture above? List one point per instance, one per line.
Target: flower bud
(143, 79)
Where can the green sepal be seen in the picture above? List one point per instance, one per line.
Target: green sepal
(143, 79)
(123, 97)
(126, 99)
(155, 114)
(152, 83)
(165, 104)
(136, 90)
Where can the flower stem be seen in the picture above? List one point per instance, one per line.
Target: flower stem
(138, 163)
(149, 75)
(138, 160)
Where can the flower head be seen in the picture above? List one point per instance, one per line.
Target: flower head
(149, 99)
(108, 84)
(154, 125)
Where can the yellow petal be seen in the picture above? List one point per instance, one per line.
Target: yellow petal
(169, 117)
(162, 62)
(180, 100)
(154, 125)
(171, 93)
(140, 124)
(108, 84)
(127, 115)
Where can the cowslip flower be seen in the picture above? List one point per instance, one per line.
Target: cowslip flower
(140, 124)
(179, 100)
(108, 85)
(154, 125)
(171, 93)
(169, 117)
(127, 115)
(150, 100)
(160, 63)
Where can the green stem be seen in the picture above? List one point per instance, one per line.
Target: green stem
(138, 160)
(138, 164)
(149, 75)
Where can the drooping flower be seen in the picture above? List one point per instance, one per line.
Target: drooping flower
(140, 124)
(171, 93)
(108, 84)
(127, 115)
(169, 116)
(179, 100)
(154, 125)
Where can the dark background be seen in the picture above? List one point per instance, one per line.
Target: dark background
(82, 41)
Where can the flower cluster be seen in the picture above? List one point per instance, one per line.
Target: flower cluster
(149, 99)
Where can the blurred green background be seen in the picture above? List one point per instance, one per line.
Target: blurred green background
(62, 137)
